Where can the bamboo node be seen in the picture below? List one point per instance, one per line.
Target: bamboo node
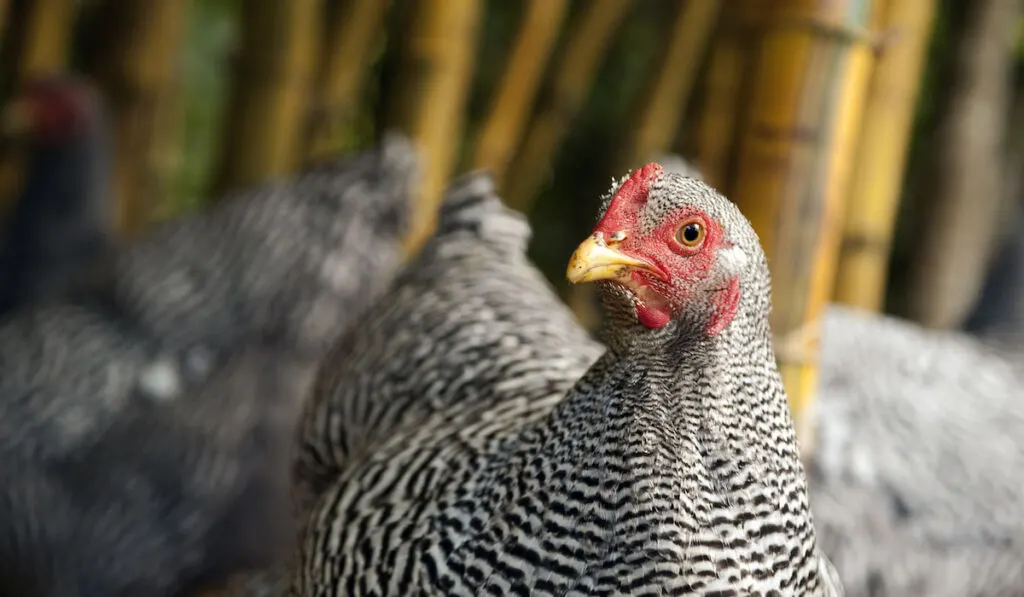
(886, 38)
(862, 242)
(843, 32)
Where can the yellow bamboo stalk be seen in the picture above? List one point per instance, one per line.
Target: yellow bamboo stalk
(264, 129)
(964, 191)
(47, 37)
(885, 137)
(570, 83)
(733, 49)
(665, 103)
(354, 28)
(794, 165)
(503, 126)
(437, 67)
(5, 7)
(140, 78)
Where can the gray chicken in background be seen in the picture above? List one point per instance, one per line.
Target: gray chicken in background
(146, 422)
(63, 219)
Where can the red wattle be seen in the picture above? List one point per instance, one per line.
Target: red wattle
(650, 317)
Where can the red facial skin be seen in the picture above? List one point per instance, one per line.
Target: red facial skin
(679, 267)
(58, 110)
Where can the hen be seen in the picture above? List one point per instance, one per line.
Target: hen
(145, 425)
(455, 455)
(63, 219)
(912, 480)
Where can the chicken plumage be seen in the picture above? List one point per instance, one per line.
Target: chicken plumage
(917, 440)
(146, 422)
(466, 442)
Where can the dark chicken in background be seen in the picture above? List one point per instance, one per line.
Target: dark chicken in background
(146, 423)
(63, 217)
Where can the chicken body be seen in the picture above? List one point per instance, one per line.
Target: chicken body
(917, 440)
(913, 478)
(466, 442)
(145, 423)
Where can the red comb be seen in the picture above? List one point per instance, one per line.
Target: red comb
(632, 195)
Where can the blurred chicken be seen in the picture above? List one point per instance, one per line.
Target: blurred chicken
(145, 423)
(63, 217)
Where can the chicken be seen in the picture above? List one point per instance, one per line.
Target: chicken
(917, 437)
(146, 423)
(475, 300)
(63, 221)
(460, 445)
(917, 446)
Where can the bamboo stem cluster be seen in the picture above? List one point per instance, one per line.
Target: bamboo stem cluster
(806, 117)
(795, 156)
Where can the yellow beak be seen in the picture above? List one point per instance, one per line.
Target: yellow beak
(594, 260)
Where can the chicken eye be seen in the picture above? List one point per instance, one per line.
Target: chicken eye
(690, 234)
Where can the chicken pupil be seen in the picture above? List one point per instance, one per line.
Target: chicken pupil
(691, 232)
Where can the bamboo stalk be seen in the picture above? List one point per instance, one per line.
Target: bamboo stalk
(570, 82)
(5, 7)
(665, 103)
(794, 166)
(733, 50)
(1013, 170)
(264, 128)
(140, 78)
(47, 37)
(503, 126)
(355, 26)
(965, 190)
(437, 67)
(881, 157)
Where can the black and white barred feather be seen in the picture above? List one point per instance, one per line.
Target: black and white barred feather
(918, 437)
(465, 441)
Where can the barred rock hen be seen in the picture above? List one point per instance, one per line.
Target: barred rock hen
(145, 427)
(912, 481)
(669, 468)
(63, 219)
